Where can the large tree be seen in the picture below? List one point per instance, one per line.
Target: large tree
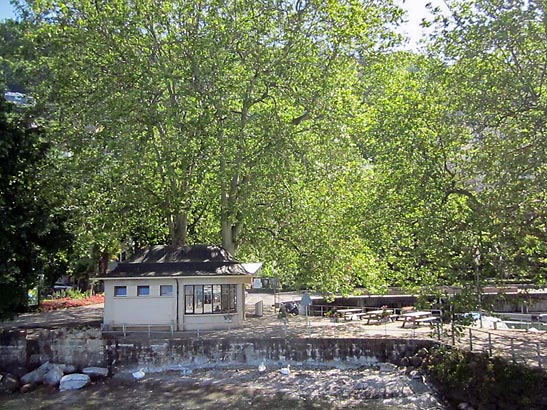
(33, 235)
(191, 110)
(496, 52)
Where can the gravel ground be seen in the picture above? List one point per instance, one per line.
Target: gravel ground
(382, 388)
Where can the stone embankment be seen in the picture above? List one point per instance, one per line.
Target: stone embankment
(84, 347)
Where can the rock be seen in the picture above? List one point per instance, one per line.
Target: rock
(187, 371)
(28, 387)
(465, 406)
(416, 375)
(74, 381)
(36, 376)
(423, 352)
(416, 361)
(66, 368)
(387, 368)
(18, 371)
(53, 376)
(95, 372)
(9, 383)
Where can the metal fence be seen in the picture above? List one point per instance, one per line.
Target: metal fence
(524, 349)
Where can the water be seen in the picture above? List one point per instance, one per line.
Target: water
(226, 390)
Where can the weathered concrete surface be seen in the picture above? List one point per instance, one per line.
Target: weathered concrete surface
(205, 353)
(32, 347)
(89, 347)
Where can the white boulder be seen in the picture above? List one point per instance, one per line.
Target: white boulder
(53, 376)
(36, 376)
(74, 381)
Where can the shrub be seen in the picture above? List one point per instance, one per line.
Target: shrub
(66, 302)
(486, 382)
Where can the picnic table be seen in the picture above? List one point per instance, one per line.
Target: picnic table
(348, 314)
(377, 315)
(418, 317)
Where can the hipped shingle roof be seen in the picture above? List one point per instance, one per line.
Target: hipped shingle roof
(167, 261)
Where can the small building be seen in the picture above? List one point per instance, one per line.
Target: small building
(196, 287)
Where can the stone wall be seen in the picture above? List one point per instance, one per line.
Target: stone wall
(204, 352)
(88, 347)
(31, 347)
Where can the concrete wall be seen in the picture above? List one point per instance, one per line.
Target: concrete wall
(217, 353)
(519, 303)
(132, 309)
(88, 347)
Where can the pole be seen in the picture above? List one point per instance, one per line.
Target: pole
(478, 282)
(470, 340)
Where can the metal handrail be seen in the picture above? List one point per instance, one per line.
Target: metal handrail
(532, 350)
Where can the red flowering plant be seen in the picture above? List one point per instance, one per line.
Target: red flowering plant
(71, 299)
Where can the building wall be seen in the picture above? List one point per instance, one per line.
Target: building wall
(133, 309)
(162, 310)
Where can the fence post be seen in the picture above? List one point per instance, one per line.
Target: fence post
(470, 340)
(538, 349)
(513, 350)
(490, 344)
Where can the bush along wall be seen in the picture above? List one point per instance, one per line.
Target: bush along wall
(485, 382)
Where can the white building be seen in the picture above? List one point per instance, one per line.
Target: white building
(182, 288)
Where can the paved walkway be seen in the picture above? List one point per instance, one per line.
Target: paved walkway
(91, 315)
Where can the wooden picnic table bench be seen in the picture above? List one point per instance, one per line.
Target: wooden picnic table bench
(429, 319)
(418, 317)
(348, 314)
(377, 315)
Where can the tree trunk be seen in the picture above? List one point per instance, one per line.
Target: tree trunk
(227, 238)
(103, 262)
(178, 225)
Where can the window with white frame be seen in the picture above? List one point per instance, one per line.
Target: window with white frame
(120, 291)
(166, 290)
(204, 299)
(143, 290)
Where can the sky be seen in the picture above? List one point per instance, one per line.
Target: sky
(6, 10)
(415, 8)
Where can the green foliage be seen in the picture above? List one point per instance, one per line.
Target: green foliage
(33, 237)
(72, 294)
(485, 383)
(213, 122)
(292, 133)
(496, 51)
